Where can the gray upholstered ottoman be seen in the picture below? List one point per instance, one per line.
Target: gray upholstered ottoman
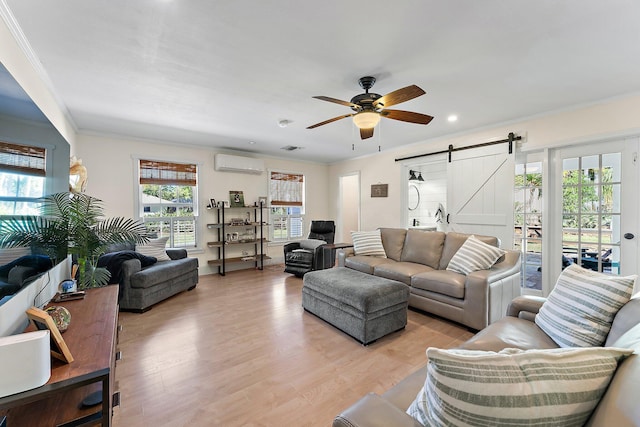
(364, 306)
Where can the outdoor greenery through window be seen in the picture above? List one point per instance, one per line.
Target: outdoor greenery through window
(286, 194)
(528, 221)
(168, 205)
(591, 211)
(22, 178)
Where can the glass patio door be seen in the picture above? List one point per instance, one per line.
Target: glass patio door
(599, 207)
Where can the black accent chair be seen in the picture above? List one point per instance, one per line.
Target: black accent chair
(307, 255)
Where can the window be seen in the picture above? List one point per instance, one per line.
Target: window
(22, 178)
(286, 194)
(167, 201)
(528, 221)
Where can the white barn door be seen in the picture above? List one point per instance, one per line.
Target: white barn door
(480, 192)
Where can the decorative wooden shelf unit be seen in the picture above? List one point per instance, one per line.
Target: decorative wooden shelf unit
(223, 228)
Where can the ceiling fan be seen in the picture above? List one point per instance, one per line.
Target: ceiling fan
(369, 107)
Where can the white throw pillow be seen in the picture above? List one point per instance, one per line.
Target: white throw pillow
(473, 255)
(551, 387)
(10, 254)
(155, 248)
(581, 307)
(368, 243)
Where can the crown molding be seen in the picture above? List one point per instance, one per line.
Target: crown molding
(16, 31)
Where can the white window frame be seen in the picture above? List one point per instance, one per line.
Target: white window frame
(288, 218)
(47, 184)
(139, 205)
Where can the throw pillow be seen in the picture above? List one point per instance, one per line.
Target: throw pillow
(368, 243)
(311, 244)
(581, 307)
(9, 254)
(155, 248)
(556, 387)
(474, 255)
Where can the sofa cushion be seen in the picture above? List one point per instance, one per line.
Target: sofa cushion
(423, 247)
(155, 248)
(393, 241)
(453, 241)
(19, 273)
(365, 264)
(474, 255)
(441, 282)
(581, 307)
(619, 405)
(509, 332)
(368, 243)
(162, 272)
(400, 271)
(557, 387)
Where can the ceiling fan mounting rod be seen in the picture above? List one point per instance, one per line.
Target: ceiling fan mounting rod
(366, 83)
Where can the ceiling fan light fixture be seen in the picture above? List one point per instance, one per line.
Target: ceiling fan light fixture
(366, 119)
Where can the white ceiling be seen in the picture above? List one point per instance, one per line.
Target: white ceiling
(223, 73)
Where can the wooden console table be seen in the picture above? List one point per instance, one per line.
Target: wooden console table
(92, 339)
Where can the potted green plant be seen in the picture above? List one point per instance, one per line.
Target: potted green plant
(72, 223)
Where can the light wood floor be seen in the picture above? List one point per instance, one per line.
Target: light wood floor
(239, 350)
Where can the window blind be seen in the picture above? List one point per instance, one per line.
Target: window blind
(167, 173)
(286, 189)
(23, 159)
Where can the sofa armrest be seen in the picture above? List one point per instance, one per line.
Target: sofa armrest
(525, 306)
(176, 253)
(343, 254)
(375, 411)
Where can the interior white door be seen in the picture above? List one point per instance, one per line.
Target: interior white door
(480, 192)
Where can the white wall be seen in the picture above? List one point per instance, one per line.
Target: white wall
(110, 164)
(602, 121)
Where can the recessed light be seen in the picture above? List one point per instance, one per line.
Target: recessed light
(252, 142)
(452, 118)
(284, 123)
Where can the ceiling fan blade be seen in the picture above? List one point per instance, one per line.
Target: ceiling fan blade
(336, 101)
(366, 133)
(398, 96)
(406, 116)
(329, 121)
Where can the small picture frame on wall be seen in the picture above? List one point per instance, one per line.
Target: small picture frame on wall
(236, 198)
(43, 321)
(380, 190)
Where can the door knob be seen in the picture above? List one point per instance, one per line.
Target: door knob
(629, 236)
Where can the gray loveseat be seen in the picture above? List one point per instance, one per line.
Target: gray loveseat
(142, 287)
(618, 407)
(419, 259)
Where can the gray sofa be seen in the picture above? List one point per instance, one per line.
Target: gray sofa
(142, 287)
(419, 259)
(618, 407)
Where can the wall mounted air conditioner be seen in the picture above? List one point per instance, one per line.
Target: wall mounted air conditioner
(229, 163)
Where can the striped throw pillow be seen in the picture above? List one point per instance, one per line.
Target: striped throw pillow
(368, 243)
(557, 387)
(474, 255)
(581, 307)
(155, 248)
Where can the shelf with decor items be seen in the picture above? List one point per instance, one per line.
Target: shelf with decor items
(238, 229)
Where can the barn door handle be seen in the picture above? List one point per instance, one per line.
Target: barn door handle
(629, 236)
(448, 218)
